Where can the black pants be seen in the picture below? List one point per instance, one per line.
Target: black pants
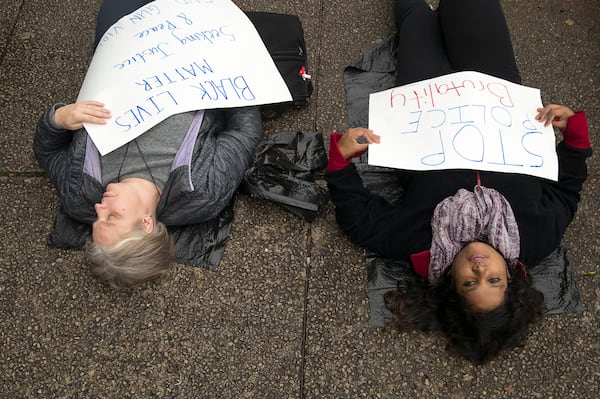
(461, 35)
(111, 11)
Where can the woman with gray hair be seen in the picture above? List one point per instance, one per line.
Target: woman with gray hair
(183, 171)
(178, 177)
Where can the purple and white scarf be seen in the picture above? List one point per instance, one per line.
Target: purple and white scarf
(483, 215)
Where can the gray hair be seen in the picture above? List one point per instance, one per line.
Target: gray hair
(133, 260)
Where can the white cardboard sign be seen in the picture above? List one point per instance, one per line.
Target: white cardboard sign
(464, 120)
(172, 56)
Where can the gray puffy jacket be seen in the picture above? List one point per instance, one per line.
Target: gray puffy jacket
(197, 198)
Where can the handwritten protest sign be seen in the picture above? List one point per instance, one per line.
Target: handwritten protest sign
(465, 120)
(172, 56)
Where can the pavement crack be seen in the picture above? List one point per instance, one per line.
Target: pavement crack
(11, 33)
(308, 266)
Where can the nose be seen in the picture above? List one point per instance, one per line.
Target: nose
(479, 266)
(99, 208)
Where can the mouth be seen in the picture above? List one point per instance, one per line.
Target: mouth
(477, 258)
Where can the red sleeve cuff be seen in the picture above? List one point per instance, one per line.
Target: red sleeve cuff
(576, 134)
(420, 262)
(336, 160)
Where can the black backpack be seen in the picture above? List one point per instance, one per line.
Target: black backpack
(283, 37)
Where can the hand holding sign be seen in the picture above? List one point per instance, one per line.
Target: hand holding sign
(554, 114)
(73, 116)
(465, 120)
(356, 140)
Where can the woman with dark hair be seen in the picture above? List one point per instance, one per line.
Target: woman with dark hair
(467, 233)
(473, 334)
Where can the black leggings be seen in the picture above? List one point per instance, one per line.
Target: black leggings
(461, 35)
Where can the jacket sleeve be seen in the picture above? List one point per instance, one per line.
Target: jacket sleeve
(51, 147)
(61, 153)
(224, 152)
(393, 231)
(235, 147)
(572, 154)
(550, 216)
(237, 142)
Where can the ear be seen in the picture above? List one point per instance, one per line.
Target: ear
(148, 223)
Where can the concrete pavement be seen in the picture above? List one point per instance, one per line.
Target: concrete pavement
(286, 313)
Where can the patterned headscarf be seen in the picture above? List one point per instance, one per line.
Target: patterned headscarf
(482, 215)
